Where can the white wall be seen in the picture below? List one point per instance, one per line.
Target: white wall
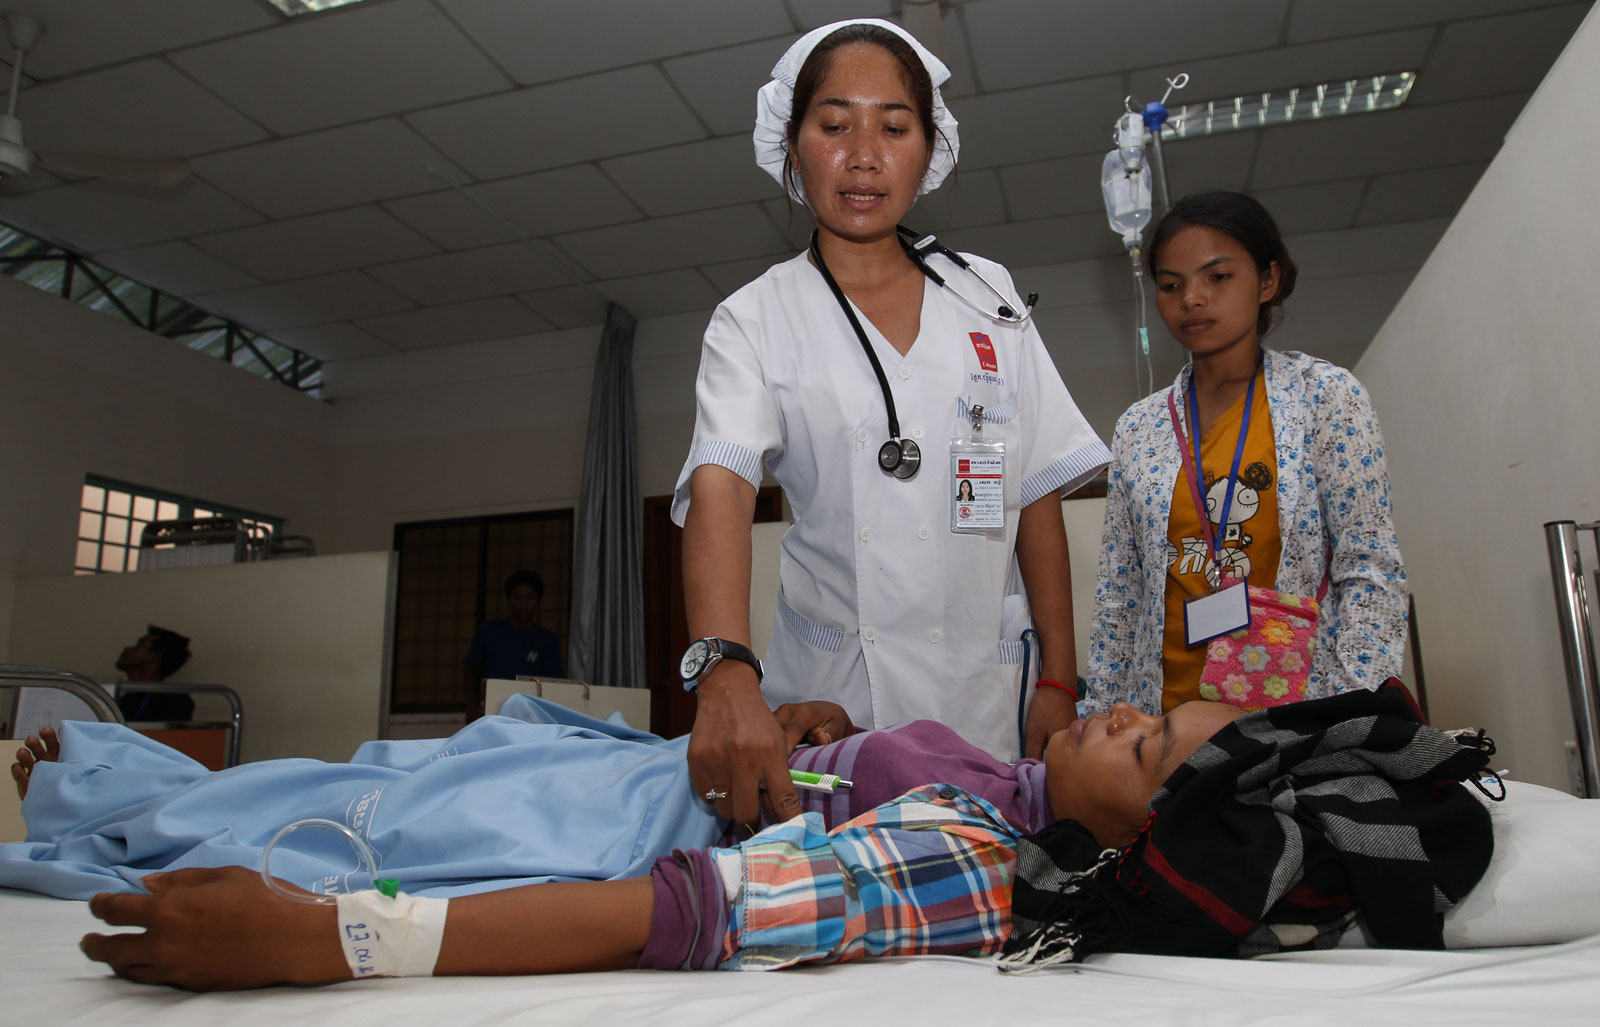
(303, 642)
(85, 393)
(1485, 379)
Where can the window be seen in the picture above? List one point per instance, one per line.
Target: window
(112, 516)
(68, 275)
(452, 577)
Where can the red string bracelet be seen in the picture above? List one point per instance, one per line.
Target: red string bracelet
(1056, 684)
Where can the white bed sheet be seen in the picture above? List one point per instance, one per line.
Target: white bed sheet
(44, 979)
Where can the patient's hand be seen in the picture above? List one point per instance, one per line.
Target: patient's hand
(216, 930)
(817, 722)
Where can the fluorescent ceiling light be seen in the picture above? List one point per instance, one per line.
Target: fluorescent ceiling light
(1289, 106)
(294, 7)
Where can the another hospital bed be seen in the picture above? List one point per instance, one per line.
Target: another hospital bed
(1543, 885)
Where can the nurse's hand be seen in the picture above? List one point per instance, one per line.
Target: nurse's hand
(1051, 710)
(737, 748)
(817, 722)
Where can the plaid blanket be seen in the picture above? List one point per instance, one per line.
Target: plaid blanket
(928, 873)
(1271, 837)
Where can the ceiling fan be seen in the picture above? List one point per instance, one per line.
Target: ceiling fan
(17, 161)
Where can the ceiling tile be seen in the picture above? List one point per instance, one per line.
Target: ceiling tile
(1408, 195)
(565, 123)
(1401, 140)
(500, 270)
(339, 167)
(1472, 58)
(1321, 20)
(681, 240)
(544, 203)
(662, 293)
(309, 301)
(1355, 251)
(712, 173)
(1038, 123)
(314, 245)
(1078, 283)
(1206, 163)
(1314, 208)
(721, 84)
(817, 13)
(1042, 241)
(82, 34)
(1026, 42)
(456, 323)
(539, 42)
(1325, 313)
(966, 198)
(1067, 185)
(569, 306)
(347, 65)
(147, 109)
(339, 340)
(177, 268)
(95, 216)
(1285, 66)
(732, 275)
(793, 222)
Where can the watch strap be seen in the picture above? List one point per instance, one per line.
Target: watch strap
(723, 649)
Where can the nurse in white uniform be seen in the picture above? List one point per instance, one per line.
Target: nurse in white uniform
(900, 596)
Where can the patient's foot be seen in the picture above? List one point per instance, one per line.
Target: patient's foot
(44, 746)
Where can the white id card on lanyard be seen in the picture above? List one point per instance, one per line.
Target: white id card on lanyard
(977, 481)
(1226, 608)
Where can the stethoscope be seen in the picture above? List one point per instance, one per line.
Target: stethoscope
(902, 457)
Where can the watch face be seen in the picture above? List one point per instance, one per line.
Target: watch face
(694, 659)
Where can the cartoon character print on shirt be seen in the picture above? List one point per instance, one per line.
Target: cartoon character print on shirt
(1233, 541)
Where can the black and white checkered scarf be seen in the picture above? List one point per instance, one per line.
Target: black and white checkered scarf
(1272, 836)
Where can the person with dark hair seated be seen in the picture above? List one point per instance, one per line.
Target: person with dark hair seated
(156, 656)
(1229, 834)
(514, 646)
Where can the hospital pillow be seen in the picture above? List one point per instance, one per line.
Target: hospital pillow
(1543, 884)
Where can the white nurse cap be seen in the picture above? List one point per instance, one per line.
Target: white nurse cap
(775, 101)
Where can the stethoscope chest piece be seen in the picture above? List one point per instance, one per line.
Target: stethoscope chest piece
(900, 457)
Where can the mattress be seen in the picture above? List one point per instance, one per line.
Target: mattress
(46, 980)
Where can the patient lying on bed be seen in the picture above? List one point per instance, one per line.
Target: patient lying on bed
(1195, 809)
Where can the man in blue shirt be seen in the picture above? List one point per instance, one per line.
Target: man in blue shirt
(514, 645)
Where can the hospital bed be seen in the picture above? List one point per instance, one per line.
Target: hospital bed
(1543, 886)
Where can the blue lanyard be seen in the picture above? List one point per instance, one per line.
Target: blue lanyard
(1193, 403)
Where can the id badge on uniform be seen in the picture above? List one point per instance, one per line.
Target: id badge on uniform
(977, 481)
(1217, 612)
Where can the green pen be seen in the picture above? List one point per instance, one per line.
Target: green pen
(818, 782)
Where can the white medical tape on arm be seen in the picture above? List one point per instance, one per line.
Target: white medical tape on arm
(384, 937)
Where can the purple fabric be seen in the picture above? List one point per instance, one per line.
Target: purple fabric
(689, 916)
(691, 909)
(888, 763)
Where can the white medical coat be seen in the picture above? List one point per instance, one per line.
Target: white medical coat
(884, 609)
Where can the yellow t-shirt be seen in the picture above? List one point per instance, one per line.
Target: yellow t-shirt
(1249, 543)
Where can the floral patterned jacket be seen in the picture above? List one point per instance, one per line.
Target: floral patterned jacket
(1333, 496)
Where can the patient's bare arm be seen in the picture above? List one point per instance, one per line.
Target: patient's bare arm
(221, 930)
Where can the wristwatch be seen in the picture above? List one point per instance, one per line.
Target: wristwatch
(705, 653)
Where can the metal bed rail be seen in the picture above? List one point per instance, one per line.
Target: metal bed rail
(1575, 613)
(236, 709)
(90, 692)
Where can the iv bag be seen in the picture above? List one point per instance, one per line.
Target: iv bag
(1127, 196)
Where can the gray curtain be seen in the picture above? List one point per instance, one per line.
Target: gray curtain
(607, 643)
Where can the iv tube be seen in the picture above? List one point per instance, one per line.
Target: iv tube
(368, 860)
(1144, 332)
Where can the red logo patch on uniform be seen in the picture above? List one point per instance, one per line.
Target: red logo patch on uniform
(985, 349)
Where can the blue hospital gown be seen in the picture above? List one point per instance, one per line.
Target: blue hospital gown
(537, 794)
